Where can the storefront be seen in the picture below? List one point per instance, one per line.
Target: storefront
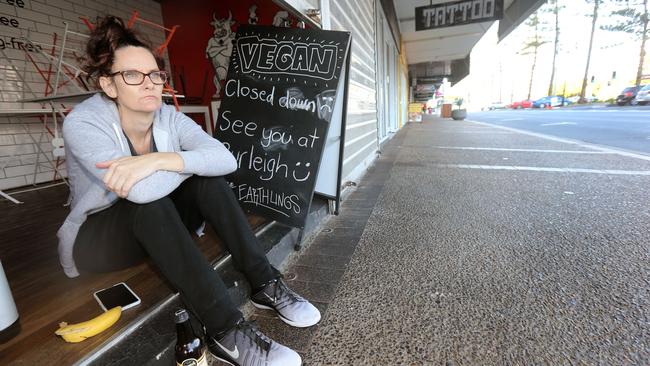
(40, 81)
(369, 118)
(195, 39)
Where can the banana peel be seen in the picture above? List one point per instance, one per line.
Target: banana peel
(75, 333)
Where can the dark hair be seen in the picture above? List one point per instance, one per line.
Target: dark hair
(108, 35)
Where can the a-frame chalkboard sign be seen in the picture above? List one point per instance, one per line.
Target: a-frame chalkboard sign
(277, 105)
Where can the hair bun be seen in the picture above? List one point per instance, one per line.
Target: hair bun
(111, 28)
(108, 35)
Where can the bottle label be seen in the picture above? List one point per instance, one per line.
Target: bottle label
(202, 361)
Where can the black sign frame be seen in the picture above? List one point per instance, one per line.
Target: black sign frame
(344, 115)
(278, 138)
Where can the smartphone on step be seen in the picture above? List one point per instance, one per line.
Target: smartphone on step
(117, 295)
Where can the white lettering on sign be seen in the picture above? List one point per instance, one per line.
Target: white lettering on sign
(272, 139)
(237, 126)
(234, 88)
(275, 201)
(295, 102)
(270, 166)
(269, 56)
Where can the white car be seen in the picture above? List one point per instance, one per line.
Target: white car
(576, 99)
(497, 105)
(643, 96)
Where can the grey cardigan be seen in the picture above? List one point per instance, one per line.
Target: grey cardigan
(92, 133)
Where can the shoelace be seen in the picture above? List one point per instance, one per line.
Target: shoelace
(249, 329)
(286, 295)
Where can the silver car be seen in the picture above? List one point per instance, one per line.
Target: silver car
(643, 96)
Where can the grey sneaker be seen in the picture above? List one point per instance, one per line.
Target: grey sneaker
(291, 307)
(245, 345)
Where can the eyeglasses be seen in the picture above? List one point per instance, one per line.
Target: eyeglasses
(135, 77)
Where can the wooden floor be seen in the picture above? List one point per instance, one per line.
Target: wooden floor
(43, 294)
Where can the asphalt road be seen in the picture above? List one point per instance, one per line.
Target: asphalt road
(625, 128)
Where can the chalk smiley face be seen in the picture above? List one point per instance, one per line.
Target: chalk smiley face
(298, 164)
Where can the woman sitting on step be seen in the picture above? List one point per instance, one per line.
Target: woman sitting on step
(142, 176)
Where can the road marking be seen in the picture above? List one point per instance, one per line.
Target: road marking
(479, 132)
(608, 111)
(521, 150)
(476, 132)
(568, 141)
(553, 170)
(559, 124)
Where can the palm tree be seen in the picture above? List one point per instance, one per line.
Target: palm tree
(591, 43)
(644, 38)
(556, 12)
(633, 20)
(534, 43)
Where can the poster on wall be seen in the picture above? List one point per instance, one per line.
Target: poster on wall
(220, 45)
(278, 102)
(199, 52)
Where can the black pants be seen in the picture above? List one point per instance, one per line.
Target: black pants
(126, 233)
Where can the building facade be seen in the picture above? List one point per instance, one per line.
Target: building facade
(35, 31)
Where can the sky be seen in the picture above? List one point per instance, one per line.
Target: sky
(508, 71)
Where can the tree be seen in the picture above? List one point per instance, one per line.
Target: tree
(633, 19)
(591, 43)
(555, 9)
(533, 44)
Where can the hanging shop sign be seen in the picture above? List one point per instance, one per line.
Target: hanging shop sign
(457, 13)
(278, 102)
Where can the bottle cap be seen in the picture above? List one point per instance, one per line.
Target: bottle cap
(181, 315)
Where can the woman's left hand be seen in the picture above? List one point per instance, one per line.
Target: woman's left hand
(123, 173)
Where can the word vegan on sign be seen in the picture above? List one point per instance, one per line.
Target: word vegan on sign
(270, 56)
(457, 13)
(275, 114)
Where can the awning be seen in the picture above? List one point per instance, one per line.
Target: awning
(449, 47)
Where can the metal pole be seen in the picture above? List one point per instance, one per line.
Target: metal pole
(58, 66)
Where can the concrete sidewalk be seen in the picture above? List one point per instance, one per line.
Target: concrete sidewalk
(467, 244)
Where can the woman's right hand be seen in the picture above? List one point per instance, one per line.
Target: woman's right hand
(123, 173)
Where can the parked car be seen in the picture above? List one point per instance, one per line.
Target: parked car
(553, 101)
(643, 96)
(573, 98)
(523, 104)
(576, 99)
(497, 105)
(627, 95)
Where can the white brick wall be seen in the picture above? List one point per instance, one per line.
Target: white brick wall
(17, 171)
(38, 20)
(12, 161)
(7, 9)
(7, 140)
(6, 183)
(16, 150)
